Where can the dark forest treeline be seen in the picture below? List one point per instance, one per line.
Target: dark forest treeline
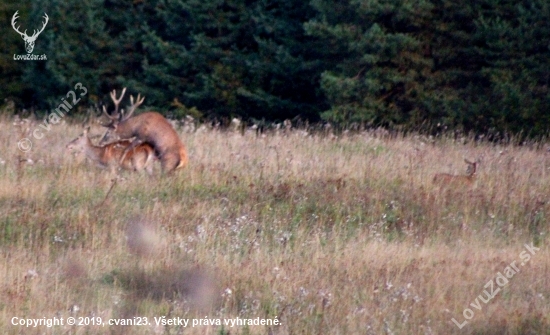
(480, 66)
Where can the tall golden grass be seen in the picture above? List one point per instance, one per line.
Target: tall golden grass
(339, 234)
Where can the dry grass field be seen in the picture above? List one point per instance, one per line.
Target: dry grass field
(328, 235)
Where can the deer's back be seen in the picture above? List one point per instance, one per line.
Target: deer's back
(116, 149)
(152, 127)
(449, 179)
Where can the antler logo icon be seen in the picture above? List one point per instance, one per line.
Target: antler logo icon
(29, 40)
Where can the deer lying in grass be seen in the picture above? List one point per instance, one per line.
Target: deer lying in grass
(148, 127)
(137, 159)
(446, 179)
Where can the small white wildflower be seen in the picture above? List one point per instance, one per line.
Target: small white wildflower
(31, 274)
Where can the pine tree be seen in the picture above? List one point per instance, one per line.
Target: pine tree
(375, 65)
(11, 43)
(229, 58)
(516, 52)
(77, 48)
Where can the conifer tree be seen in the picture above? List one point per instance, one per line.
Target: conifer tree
(11, 71)
(375, 66)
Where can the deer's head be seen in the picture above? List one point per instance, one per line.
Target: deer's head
(116, 117)
(29, 40)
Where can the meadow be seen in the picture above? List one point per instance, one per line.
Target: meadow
(328, 234)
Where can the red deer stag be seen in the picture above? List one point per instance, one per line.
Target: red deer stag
(148, 127)
(138, 159)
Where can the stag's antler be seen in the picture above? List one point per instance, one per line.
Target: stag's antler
(107, 114)
(24, 34)
(117, 101)
(36, 33)
(115, 115)
(133, 105)
(13, 22)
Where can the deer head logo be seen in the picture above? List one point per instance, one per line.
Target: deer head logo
(29, 40)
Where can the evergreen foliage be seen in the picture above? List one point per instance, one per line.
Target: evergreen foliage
(411, 64)
(11, 43)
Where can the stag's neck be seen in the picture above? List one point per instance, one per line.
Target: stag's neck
(129, 127)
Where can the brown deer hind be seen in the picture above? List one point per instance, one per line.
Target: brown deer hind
(148, 127)
(446, 179)
(138, 159)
